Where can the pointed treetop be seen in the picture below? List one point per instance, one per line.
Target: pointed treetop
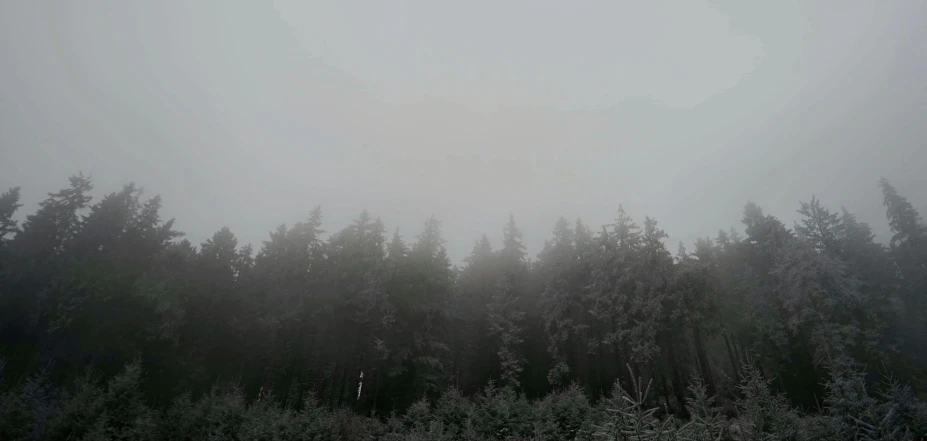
(396, 248)
(482, 252)
(682, 254)
(512, 240)
(627, 233)
(580, 226)
(582, 236)
(315, 216)
(604, 237)
(723, 240)
(56, 220)
(762, 229)
(903, 219)
(752, 213)
(705, 249)
(429, 241)
(818, 225)
(9, 203)
(313, 224)
(484, 244)
(563, 234)
(735, 236)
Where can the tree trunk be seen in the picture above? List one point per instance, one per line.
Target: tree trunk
(603, 378)
(666, 391)
(704, 365)
(573, 356)
(328, 385)
(743, 353)
(376, 390)
(344, 383)
(677, 379)
(735, 365)
(622, 369)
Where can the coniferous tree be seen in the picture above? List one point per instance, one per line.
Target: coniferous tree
(307, 334)
(506, 312)
(909, 253)
(477, 282)
(9, 203)
(34, 263)
(561, 301)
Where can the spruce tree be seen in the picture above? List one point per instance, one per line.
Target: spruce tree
(9, 203)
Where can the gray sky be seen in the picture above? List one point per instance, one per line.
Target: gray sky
(246, 114)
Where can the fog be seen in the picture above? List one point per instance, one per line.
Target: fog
(247, 114)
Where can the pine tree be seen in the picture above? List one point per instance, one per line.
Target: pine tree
(9, 203)
(35, 262)
(560, 300)
(909, 252)
(819, 226)
(147, 235)
(653, 271)
(352, 304)
(44, 233)
(906, 224)
(419, 288)
(506, 311)
(694, 303)
(476, 360)
(309, 329)
(766, 237)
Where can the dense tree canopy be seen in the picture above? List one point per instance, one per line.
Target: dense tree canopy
(110, 323)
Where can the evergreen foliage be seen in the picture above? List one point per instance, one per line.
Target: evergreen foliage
(114, 327)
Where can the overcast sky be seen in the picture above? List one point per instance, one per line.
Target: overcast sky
(247, 114)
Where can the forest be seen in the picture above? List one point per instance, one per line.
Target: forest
(114, 327)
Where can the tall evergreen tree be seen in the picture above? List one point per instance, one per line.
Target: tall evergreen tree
(310, 327)
(35, 262)
(561, 301)
(476, 285)
(506, 307)
(819, 226)
(9, 203)
(909, 252)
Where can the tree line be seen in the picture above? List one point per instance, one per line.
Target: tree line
(98, 295)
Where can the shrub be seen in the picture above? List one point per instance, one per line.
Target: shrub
(118, 412)
(79, 410)
(565, 415)
(454, 411)
(629, 417)
(345, 425)
(502, 413)
(762, 415)
(24, 411)
(418, 415)
(314, 421)
(854, 413)
(707, 420)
